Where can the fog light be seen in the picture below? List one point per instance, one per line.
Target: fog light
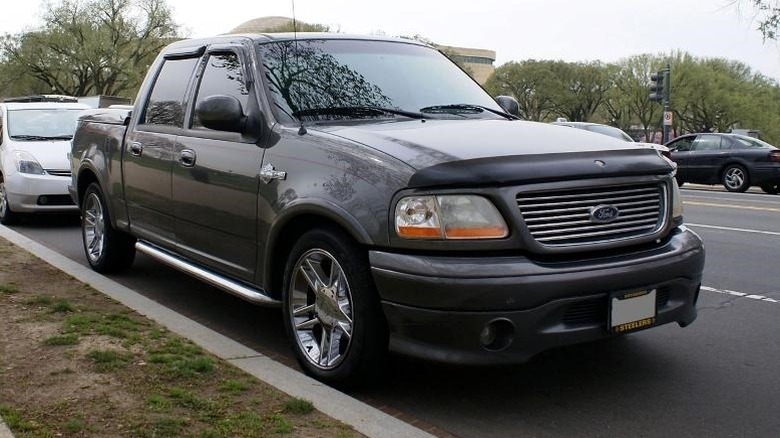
(497, 334)
(488, 335)
(43, 200)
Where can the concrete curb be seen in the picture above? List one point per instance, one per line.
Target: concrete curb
(364, 418)
(4, 431)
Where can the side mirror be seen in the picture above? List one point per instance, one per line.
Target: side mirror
(221, 113)
(509, 104)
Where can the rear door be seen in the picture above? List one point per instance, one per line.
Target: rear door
(215, 175)
(706, 159)
(148, 153)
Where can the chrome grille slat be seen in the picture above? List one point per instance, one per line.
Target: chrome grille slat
(618, 192)
(619, 220)
(585, 215)
(603, 200)
(594, 234)
(576, 230)
(562, 217)
(557, 210)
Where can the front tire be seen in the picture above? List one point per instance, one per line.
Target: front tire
(735, 178)
(7, 217)
(332, 312)
(107, 250)
(771, 188)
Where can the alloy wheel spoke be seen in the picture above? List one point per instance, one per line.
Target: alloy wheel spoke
(326, 345)
(308, 324)
(303, 310)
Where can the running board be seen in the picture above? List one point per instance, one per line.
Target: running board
(256, 296)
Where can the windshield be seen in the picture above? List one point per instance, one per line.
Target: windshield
(743, 142)
(610, 131)
(311, 75)
(42, 124)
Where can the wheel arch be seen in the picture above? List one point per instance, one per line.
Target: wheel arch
(294, 221)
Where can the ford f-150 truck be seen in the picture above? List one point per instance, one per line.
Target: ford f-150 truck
(384, 201)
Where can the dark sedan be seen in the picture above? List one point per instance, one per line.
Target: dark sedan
(736, 161)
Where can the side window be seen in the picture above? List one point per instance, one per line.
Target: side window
(707, 143)
(683, 144)
(223, 75)
(1, 128)
(166, 101)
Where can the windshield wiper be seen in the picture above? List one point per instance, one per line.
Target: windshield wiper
(357, 112)
(41, 137)
(460, 108)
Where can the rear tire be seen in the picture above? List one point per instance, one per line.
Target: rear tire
(735, 178)
(332, 313)
(107, 250)
(7, 217)
(771, 188)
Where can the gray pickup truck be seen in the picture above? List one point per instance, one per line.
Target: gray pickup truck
(383, 200)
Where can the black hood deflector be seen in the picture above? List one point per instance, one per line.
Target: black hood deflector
(524, 169)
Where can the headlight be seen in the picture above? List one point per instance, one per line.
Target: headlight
(448, 217)
(677, 203)
(26, 163)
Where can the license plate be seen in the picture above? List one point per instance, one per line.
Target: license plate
(630, 311)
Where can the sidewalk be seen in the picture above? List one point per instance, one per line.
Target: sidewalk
(337, 405)
(4, 432)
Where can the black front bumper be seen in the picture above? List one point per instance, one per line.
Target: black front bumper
(436, 307)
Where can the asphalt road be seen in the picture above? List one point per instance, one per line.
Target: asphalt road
(718, 377)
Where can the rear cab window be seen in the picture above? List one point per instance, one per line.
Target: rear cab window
(165, 106)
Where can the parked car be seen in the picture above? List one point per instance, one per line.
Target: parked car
(35, 135)
(384, 201)
(614, 133)
(736, 161)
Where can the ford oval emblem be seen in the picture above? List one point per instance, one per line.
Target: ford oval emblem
(604, 214)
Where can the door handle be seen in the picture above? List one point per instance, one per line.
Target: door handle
(136, 149)
(187, 158)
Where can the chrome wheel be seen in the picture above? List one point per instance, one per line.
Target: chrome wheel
(3, 200)
(735, 178)
(94, 227)
(321, 309)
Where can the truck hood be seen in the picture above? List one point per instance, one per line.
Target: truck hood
(52, 155)
(453, 152)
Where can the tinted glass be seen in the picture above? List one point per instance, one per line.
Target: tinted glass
(319, 74)
(707, 143)
(223, 75)
(610, 131)
(683, 144)
(165, 105)
(32, 124)
(743, 142)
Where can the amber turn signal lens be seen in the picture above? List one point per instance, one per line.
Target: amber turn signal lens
(476, 233)
(419, 233)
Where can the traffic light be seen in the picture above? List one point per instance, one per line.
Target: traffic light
(657, 86)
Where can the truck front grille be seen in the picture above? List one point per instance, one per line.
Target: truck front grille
(565, 217)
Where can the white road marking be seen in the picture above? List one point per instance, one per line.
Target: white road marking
(738, 207)
(741, 230)
(773, 201)
(739, 294)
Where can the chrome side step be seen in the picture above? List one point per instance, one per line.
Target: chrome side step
(256, 296)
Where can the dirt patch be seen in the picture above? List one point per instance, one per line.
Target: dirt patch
(73, 362)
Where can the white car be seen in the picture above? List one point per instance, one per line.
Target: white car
(613, 132)
(35, 136)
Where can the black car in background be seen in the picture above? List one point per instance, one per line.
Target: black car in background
(736, 161)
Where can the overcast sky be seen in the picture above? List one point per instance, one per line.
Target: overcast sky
(572, 30)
